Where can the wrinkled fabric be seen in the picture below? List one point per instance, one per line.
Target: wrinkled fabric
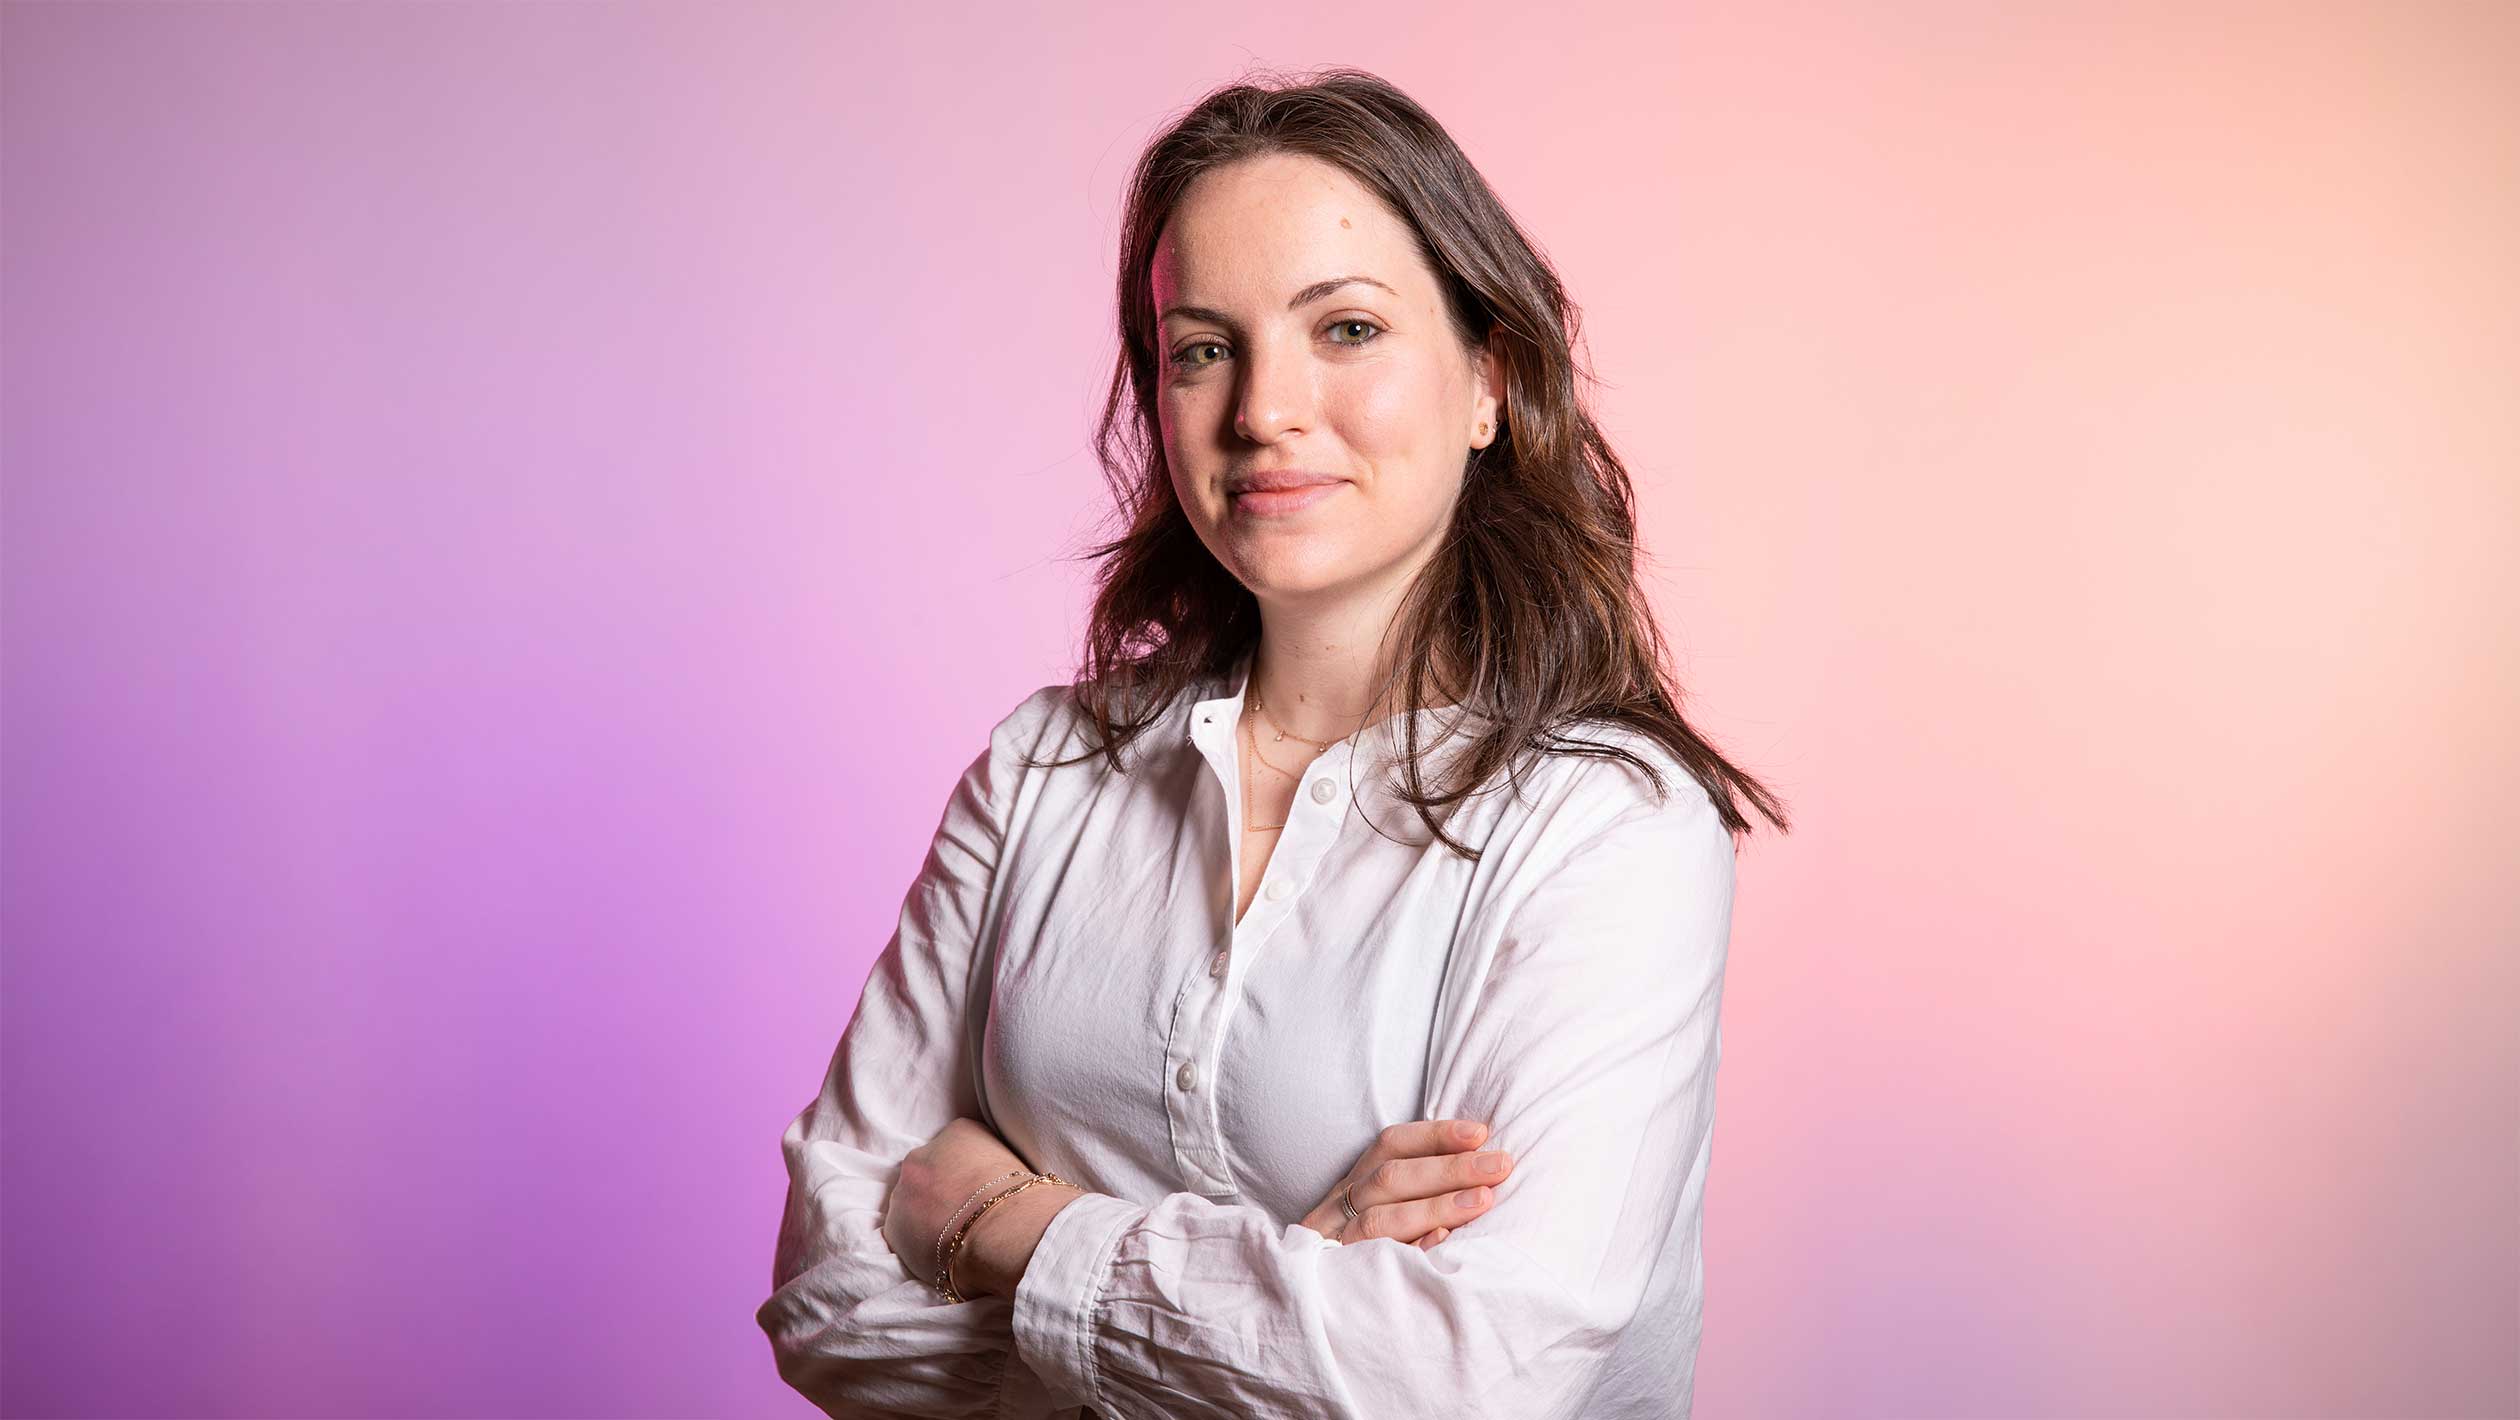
(1067, 969)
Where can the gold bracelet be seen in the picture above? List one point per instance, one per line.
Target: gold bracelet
(945, 1282)
(943, 1232)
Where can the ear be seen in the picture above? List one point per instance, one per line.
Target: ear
(1487, 369)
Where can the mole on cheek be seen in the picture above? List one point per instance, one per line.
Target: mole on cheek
(1344, 222)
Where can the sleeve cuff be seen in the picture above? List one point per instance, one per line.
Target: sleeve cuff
(1055, 1303)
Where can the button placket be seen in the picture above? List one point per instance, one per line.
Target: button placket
(1203, 1022)
(1308, 833)
(1192, 1148)
(1307, 837)
(1192, 1096)
(1315, 818)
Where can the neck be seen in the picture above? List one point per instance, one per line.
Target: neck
(1317, 677)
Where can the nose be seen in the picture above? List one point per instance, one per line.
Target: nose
(1277, 396)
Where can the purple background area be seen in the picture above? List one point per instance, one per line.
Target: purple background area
(515, 514)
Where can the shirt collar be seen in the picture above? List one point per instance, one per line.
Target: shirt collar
(1375, 751)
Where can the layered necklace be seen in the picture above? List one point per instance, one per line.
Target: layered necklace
(1277, 734)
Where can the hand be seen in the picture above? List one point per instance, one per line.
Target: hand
(937, 1179)
(1405, 1185)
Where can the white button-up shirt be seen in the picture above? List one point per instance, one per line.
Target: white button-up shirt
(1068, 969)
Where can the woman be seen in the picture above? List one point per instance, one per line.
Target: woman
(1372, 819)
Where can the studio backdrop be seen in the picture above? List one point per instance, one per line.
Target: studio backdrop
(516, 514)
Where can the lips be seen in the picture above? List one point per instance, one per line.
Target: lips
(1278, 480)
(1294, 496)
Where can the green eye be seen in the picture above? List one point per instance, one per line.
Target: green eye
(1182, 358)
(1186, 357)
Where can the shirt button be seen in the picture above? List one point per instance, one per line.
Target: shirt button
(1276, 891)
(1217, 967)
(1188, 1077)
(1324, 790)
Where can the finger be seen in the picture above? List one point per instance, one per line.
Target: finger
(1418, 1217)
(1416, 1140)
(1434, 1237)
(1405, 1180)
(1332, 1221)
(1421, 1137)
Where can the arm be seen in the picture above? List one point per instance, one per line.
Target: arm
(849, 1327)
(1590, 1044)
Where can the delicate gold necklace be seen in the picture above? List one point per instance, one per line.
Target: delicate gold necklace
(1249, 813)
(1251, 737)
(1262, 707)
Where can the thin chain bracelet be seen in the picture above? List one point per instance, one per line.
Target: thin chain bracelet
(958, 1212)
(945, 1281)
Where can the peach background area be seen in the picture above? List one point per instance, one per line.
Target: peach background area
(514, 515)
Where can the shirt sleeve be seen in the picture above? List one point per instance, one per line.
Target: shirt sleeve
(849, 1326)
(1590, 1048)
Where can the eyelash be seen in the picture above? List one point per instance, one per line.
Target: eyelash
(1178, 363)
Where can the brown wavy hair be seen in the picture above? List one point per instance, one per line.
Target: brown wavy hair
(1528, 613)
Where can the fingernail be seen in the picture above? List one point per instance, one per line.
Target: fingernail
(1493, 1165)
(1470, 1197)
(1467, 1133)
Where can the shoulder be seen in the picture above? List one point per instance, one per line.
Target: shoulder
(1037, 723)
(1607, 816)
(1057, 722)
(1623, 774)
(1603, 844)
(1037, 710)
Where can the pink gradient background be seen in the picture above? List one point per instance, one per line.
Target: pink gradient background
(514, 515)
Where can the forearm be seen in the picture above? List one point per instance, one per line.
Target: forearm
(1206, 1311)
(1000, 1246)
(857, 1335)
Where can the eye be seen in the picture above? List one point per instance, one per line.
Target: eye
(1186, 358)
(1181, 358)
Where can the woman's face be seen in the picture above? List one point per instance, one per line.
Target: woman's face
(1272, 361)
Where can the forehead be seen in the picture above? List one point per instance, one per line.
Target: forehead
(1255, 230)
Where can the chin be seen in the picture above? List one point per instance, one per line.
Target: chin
(1300, 578)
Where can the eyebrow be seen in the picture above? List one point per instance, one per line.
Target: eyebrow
(1297, 302)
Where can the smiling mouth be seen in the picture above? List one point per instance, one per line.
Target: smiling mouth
(1272, 503)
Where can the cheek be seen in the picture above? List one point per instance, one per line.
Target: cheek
(1189, 492)
(1397, 424)
(1376, 415)
(1394, 414)
(1189, 450)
